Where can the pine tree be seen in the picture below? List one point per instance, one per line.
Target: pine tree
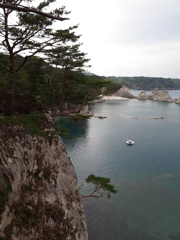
(30, 34)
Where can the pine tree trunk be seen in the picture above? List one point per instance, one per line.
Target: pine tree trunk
(65, 82)
(12, 86)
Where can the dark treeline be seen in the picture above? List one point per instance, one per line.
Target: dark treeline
(34, 90)
(147, 83)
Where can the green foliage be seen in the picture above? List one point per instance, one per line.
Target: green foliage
(28, 81)
(62, 131)
(29, 122)
(29, 35)
(80, 90)
(112, 88)
(68, 58)
(8, 231)
(102, 186)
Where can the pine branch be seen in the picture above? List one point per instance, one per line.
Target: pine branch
(26, 9)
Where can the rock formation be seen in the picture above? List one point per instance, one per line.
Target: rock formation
(156, 96)
(85, 111)
(142, 96)
(124, 92)
(177, 101)
(163, 97)
(39, 197)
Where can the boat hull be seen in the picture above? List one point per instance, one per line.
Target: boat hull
(130, 142)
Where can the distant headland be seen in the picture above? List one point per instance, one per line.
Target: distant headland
(148, 83)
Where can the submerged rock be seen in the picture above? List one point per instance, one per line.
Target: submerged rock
(101, 117)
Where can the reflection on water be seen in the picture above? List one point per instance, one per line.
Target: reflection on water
(78, 128)
(146, 175)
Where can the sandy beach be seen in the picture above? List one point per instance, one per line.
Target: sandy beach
(109, 98)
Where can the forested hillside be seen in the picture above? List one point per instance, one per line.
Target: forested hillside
(42, 66)
(147, 83)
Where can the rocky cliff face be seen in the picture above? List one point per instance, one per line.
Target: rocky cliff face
(39, 198)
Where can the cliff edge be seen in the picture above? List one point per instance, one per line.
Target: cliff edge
(39, 197)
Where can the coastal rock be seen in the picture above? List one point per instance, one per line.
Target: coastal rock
(142, 96)
(39, 195)
(153, 94)
(160, 96)
(101, 117)
(85, 111)
(124, 92)
(177, 101)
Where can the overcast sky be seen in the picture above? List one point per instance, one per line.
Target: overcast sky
(128, 37)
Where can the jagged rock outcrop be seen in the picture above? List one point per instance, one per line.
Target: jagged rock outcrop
(39, 197)
(152, 95)
(142, 96)
(162, 96)
(177, 101)
(85, 111)
(156, 96)
(124, 92)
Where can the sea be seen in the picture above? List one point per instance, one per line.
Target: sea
(146, 174)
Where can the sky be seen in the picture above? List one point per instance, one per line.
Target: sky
(128, 37)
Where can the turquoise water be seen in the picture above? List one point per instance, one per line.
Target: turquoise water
(146, 175)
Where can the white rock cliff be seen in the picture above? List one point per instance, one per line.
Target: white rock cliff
(39, 197)
(156, 96)
(124, 92)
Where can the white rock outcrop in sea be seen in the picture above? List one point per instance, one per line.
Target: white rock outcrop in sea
(177, 101)
(124, 92)
(156, 96)
(142, 96)
(39, 196)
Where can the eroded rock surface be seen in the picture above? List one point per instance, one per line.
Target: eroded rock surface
(177, 101)
(39, 197)
(124, 92)
(156, 96)
(142, 96)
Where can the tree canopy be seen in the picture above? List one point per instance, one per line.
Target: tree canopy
(40, 64)
(31, 34)
(102, 187)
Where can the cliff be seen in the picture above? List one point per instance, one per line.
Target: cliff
(39, 197)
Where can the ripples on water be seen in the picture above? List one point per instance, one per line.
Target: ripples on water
(146, 175)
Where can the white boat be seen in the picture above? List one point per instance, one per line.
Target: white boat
(129, 142)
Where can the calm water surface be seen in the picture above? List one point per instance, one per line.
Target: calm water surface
(146, 175)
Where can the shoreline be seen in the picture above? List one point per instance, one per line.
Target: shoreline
(109, 98)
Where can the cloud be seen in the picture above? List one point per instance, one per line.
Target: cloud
(127, 37)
